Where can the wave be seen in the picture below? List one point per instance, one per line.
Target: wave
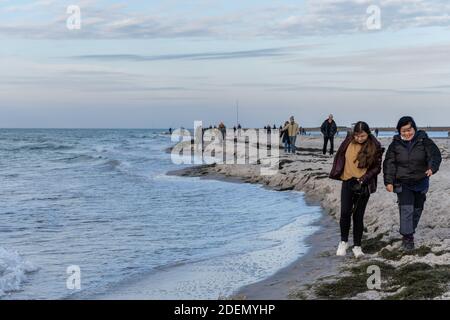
(39, 147)
(79, 158)
(116, 165)
(13, 271)
(113, 164)
(101, 149)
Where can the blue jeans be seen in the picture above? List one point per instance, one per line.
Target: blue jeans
(287, 146)
(292, 140)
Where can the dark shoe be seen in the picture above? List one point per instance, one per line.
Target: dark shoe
(408, 244)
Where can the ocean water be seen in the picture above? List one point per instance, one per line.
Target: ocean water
(100, 200)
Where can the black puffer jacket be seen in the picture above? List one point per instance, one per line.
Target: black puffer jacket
(405, 164)
(329, 130)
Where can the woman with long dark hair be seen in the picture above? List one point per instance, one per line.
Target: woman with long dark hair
(357, 164)
(412, 158)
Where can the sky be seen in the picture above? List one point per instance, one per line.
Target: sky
(161, 64)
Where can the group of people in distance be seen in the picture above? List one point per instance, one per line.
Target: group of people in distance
(290, 130)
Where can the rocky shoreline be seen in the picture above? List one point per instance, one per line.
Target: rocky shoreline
(421, 274)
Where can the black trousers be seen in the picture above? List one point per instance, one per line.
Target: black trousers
(352, 204)
(325, 144)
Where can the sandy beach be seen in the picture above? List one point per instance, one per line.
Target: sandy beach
(421, 274)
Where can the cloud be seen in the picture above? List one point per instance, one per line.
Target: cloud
(295, 87)
(257, 53)
(310, 17)
(400, 59)
(350, 16)
(30, 6)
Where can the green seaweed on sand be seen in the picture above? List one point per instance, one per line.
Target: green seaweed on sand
(397, 254)
(420, 281)
(374, 245)
(350, 285)
(413, 281)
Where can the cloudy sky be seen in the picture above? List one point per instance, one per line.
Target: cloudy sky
(159, 64)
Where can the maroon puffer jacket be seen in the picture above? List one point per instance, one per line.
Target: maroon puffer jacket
(371, 176)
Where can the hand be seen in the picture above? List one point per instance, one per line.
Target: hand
(429, 173)
(390, 188)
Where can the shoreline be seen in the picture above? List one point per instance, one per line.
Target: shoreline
(307, 171)
(319, 261)
(313, 264)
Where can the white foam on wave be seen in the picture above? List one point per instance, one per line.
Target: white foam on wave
(223, 275)
(13, 271)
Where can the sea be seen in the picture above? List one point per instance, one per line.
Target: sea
(92, 214)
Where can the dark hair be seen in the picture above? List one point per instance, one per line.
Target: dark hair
(360, 127)
(366, 156)
(404, 121)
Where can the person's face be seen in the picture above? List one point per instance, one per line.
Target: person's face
(407, 132)
(361, 137)
(330, 118)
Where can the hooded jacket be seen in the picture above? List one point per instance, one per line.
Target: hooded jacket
(407, 162)
(371, 176)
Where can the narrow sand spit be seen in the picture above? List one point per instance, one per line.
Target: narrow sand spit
(421, 274)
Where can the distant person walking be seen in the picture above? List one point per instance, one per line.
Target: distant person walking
(377, 132)
(222, 129)
(284, 134)
(412, 158)
(357, 164)
(293, 129)
(329, 130)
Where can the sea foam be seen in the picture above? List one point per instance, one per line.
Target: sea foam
(13, 271)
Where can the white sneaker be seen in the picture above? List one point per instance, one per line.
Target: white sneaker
(357, 251)
(342, 249)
